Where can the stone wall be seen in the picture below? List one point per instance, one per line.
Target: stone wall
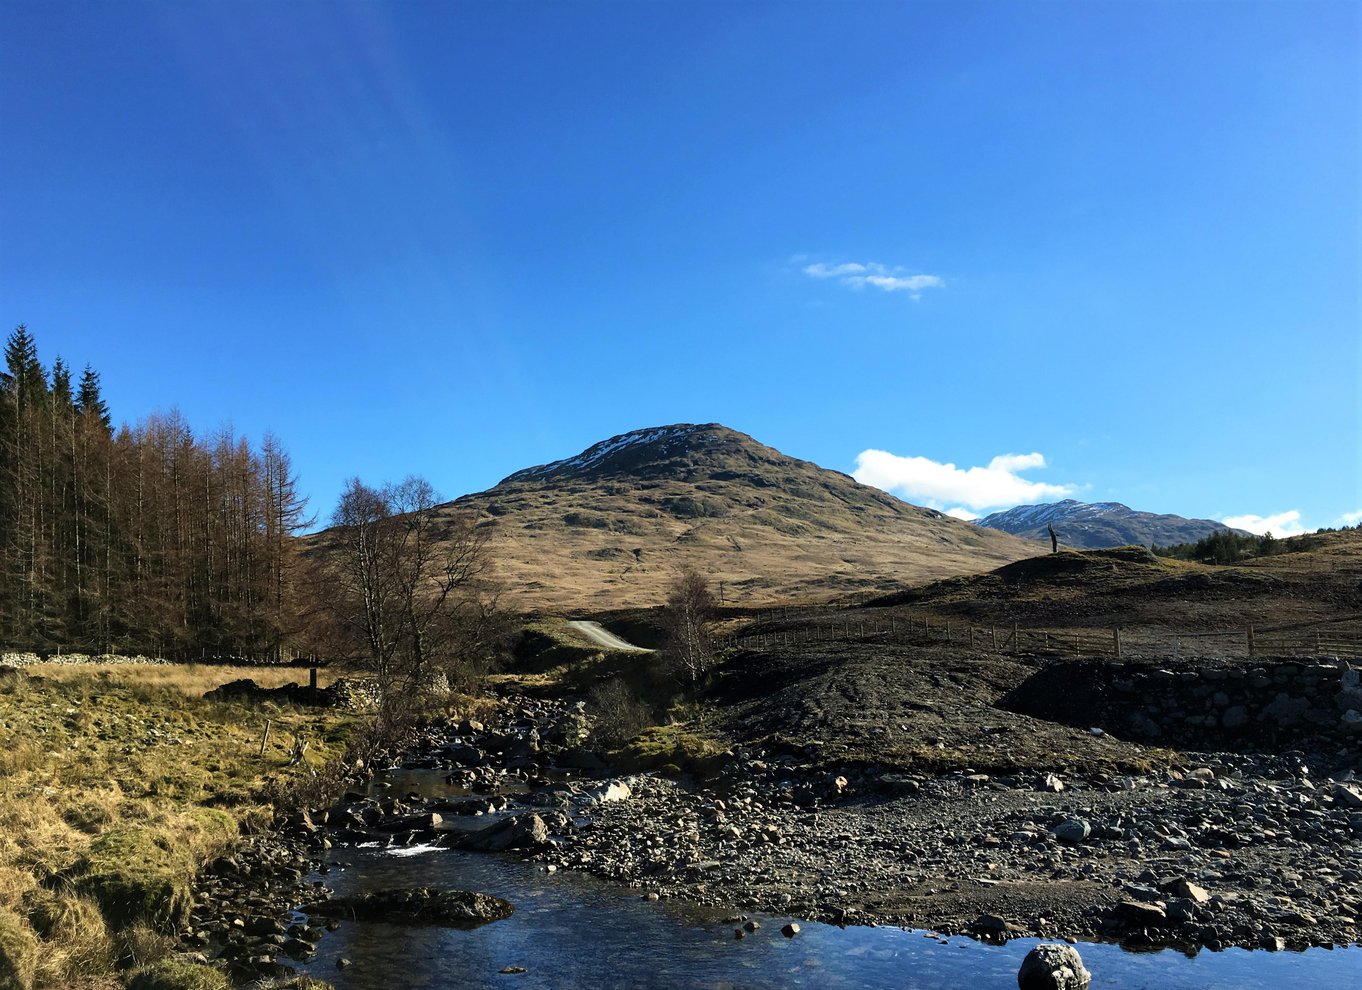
(29, 659)
(1272, 704)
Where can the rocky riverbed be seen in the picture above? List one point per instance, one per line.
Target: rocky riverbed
(1248, 853)
(1221, 850)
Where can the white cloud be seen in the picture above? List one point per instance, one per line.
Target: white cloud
(960, 512)
(922, 480)
(857, 276)
(1350, 519)
(821, 270)
(1282, 524)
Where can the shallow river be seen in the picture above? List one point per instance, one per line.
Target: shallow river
(571, 930)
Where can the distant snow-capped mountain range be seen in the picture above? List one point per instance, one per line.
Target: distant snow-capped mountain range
(1092, 525)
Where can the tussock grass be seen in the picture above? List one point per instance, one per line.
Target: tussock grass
(178, 974)
(116, 785)
(20, 950)
(673, 749)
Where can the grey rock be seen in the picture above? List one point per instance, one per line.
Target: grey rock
(517, 832)
(1139, 914)
(1072, 830)
(1182, 887)
(1050, 966)
(416, 905)
(1348, 795)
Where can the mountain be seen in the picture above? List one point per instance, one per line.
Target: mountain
(1095, 525)
(612, 526)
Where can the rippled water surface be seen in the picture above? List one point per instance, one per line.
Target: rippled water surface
(571, 930)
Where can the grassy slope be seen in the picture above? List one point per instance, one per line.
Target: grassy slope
(116, 785)
(1129, 587)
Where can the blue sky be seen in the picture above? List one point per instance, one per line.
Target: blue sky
(981, 253)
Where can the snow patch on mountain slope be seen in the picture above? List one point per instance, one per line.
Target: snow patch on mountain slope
(661, 437)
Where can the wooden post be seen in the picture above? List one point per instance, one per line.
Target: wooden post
(971, 637)
(993, 637)
(312, 680)
(1251, 645)
(1116, 639)
(264, 739)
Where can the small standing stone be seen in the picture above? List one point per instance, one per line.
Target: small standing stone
(790, 930)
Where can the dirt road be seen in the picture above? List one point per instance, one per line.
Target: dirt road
(601, 636)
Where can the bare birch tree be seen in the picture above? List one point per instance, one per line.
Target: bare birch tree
(413, 598)
(689, 618)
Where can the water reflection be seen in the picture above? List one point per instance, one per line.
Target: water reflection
(571, 930)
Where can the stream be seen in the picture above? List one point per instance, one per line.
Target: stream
(574, 930)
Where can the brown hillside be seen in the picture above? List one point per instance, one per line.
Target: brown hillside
(612, 526)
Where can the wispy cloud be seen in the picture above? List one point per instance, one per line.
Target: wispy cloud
(1282, 524)
(960, 492)
(856, 275)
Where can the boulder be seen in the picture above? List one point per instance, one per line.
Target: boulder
(615, 790)
(1182, 887)
(1050, 966)
(416, 906)
(990, 928)
(1072, 830)
(517, 832)
(1180, 910)
(427, 821)
(1348, 795)
(1139, 914)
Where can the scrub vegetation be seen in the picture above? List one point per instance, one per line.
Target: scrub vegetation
(116, 786)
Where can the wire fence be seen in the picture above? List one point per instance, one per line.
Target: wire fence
(1340, 638)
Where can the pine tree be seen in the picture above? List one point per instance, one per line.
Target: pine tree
(25, 385)
(24, 370)
(62, 397)
(90, 401)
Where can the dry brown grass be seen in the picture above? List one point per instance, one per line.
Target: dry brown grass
(107, 775)
(191, 679)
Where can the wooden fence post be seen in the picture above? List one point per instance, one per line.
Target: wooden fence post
(1116, 638)
(264, 739)
(1251, 643)
(993, 637)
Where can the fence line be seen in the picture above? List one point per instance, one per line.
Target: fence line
(1298, 639)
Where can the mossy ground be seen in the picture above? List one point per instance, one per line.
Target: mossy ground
(177, 974)
(116, 785)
